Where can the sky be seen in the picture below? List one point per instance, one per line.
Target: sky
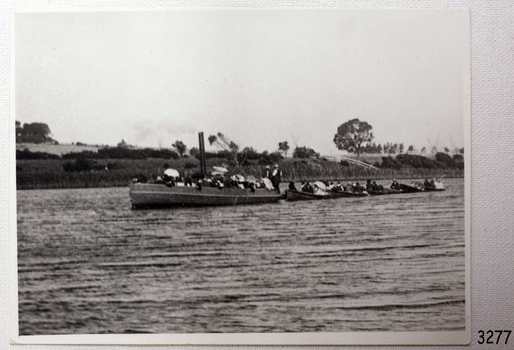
(259, 76)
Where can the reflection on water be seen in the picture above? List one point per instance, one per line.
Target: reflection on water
(89, 264)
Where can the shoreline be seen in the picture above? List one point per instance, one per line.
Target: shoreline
(74, 183)
(98, 173)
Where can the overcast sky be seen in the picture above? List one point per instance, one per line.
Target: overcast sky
(258, 76)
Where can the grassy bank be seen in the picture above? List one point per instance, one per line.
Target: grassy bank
(50, 173)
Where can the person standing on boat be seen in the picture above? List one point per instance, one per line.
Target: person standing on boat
(276, 176)
(267, 173)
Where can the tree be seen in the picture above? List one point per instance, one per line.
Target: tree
(283, 147)
(401, 147)
(410, 149)
(34, 132)
(389, 148)
(180, 147)
(352, 135)
(304, 152)
(445, 159)
(193, 152)
(226, 144)
(250, 153)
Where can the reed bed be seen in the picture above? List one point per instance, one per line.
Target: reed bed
(49, 173)
(297, 171)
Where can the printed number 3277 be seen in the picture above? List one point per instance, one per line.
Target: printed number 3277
(486, 337)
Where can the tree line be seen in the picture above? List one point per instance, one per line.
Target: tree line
(353, 136)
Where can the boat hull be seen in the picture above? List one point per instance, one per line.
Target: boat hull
(409, 189)
(157, 195)
(385, 191)
(292, 195)
(348, 194)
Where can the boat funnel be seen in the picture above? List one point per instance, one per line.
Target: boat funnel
(203, 167)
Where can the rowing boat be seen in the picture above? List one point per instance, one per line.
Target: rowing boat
(295, 195)
(435, 185)
(415, 187)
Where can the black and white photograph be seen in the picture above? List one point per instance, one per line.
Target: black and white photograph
(240, 176)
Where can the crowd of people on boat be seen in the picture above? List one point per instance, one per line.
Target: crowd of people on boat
(432, 184)
(324, 187)
(219, 178)
(427, 185)
(371, 187)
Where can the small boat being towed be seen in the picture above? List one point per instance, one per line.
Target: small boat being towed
(323, 191)
(404, 188)
(434, 185)
(415, 187)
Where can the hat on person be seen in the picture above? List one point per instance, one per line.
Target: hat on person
(267, 167)
(276, 165)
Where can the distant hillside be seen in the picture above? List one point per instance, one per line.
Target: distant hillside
(55, 149)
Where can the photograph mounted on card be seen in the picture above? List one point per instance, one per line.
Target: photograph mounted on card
(240, 176)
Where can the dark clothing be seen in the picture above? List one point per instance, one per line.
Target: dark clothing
(197, 176)
(170, 183)
(308, 188)
(275, 179)
(358, 188)
(276, 185)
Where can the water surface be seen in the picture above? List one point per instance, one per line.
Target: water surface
(89, 264)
